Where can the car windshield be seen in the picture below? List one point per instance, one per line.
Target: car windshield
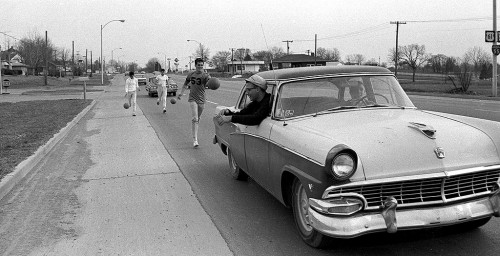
(315, 96)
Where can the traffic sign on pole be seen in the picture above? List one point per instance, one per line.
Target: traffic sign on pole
(495, 49)
(489, 36)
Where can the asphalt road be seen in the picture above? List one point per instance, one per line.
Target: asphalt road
(254, 223)
(46, 209)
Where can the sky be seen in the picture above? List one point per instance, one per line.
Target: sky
(161, 28)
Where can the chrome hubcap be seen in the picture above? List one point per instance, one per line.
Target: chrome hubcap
(303, 205)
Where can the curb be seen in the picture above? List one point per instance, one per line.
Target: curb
(11, 179)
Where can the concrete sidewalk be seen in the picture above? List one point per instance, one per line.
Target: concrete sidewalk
(134, 199)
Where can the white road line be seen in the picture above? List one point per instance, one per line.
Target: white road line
(487, 110)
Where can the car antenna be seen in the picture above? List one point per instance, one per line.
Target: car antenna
(271, 57)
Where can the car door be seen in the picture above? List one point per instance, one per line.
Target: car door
(256, 140)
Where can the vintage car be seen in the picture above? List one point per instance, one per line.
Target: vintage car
(348, 151)
(141, 78)
(152, 87)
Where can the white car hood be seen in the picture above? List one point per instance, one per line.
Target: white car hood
(389, 145)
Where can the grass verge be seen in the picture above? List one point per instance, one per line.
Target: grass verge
(27, 125)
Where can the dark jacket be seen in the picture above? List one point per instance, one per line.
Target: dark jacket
(254, 112)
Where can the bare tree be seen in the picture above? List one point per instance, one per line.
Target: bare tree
(221, 59)
(32, 48)
(357, 59)
(328, 54)
(414, 56)
(391, 57)
(437, 63)
(150, 66)
(202, 52)
(476, 56)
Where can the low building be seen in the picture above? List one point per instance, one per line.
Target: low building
(245, 66)
(298, 60)
(14, 65)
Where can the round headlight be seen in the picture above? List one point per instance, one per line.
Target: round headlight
(343, 166)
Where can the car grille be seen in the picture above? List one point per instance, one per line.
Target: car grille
(426, 191)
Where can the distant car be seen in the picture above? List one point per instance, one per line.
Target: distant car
(152, 87)
(348, 151)
(141, 78)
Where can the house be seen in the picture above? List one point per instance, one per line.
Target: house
(298, 60)
(11, 63)
(14, 65)
(245, 66)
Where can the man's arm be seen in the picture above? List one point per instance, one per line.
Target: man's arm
(188, 80)
(253, 113)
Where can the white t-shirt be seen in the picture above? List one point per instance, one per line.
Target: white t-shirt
(131, 84)
(162, 80)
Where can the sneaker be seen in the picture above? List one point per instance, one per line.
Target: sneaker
(195, 144)
(164, 110)
(133, 114)
(158, 102)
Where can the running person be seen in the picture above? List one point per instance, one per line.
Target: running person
(162, 79)
(198, 80)
(131, 88)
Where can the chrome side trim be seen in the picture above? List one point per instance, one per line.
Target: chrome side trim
(280, 146)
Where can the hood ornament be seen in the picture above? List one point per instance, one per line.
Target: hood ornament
(439, 152)
(427, 130)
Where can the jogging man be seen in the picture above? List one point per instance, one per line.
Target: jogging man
(162, 80)
(198, 80)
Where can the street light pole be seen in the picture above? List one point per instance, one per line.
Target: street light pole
(102, 66)
(165, 62)
(201, 48)
(112, 57)
(241, 59)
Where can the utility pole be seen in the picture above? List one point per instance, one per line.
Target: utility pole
(494, 78)
(46, 57)
(288, 46)
(91, 67)
(396, 58)
(73, 58)
(86, 54)
(242, 50)
(232, 58)
(315, 44)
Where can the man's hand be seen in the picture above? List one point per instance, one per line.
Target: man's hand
(221, 119)
(224, 112)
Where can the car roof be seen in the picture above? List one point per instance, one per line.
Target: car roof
(292, 73)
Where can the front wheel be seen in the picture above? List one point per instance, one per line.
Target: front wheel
(236, 171)
(300, 206)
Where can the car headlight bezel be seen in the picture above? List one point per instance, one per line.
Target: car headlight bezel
(334, 160)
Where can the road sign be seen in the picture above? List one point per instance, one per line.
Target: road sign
(489, 36)
(495, 49)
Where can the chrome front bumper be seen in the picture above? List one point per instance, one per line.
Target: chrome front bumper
(363, 223)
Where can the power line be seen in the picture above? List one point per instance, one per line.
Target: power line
(9, 35)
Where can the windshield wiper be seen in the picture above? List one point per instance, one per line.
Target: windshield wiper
(334, 109)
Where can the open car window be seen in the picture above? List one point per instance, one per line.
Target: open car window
(245, 100)
(328, 94)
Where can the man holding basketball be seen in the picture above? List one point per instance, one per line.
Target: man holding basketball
(131, 88)
(162, 80)
(198, 80)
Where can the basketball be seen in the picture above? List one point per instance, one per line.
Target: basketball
(126, 105)
(213, 83)
(173, 101)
